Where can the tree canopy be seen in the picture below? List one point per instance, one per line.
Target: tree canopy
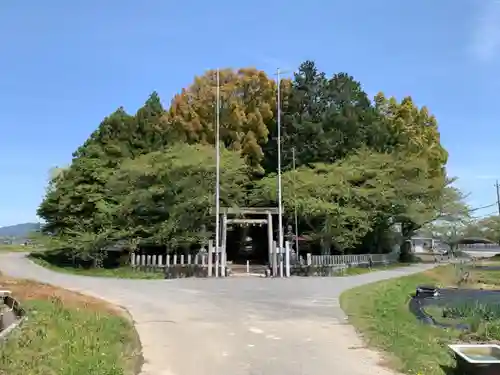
(362, 165)
(487, 228)
(247, 111)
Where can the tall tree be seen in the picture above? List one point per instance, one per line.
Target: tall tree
(80, 198)
(411, 129)
(151, 133)
(323, 119)
(248, 102)
(406, 128)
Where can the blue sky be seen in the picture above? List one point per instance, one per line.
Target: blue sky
(64, 65)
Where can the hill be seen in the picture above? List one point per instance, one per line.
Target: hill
(19, 230)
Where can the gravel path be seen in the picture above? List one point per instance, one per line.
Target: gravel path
(237, 326)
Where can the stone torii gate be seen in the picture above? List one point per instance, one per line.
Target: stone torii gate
(232, 215)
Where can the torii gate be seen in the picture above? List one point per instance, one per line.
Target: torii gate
(268, 212)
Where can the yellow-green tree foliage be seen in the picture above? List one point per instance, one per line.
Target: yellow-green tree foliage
(247, 111)
(413, 130)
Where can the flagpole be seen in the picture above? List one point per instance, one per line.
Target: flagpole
(280, 206)
(217, 167)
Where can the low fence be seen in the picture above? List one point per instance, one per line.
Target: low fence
(333, 265)
(351, 260)
(203, 264)
(212, 263)
(479, 246)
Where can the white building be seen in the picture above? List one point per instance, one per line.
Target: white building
(427, 244)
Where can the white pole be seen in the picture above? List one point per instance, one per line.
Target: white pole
(287, 259)
(217, 170)
(280, 208)
(295, 209)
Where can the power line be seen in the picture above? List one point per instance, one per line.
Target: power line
(480, 208)
(485, 215)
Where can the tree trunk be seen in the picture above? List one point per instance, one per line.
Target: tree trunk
(406, 253)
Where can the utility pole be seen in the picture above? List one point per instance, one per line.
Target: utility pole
(280, 207)
(217, 168)
(498, 196)
(295, 208)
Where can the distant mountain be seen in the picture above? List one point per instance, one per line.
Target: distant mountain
(19, 230)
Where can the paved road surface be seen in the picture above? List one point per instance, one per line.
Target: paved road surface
(236, 326)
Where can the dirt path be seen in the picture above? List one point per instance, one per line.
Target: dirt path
(237, 326)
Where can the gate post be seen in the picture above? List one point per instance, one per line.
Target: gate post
(217, 258)
(287, 259)
(274, 259)
(210, 255)
(223, 246)
(281, 263)
(270, 238)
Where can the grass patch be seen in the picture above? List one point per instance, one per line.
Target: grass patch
(16, 248)
(67, 333)
(123, 272)
(351, 271)
(380, 312)
(486, 278)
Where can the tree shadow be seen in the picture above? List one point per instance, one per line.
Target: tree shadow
(448, 370)
(63, 259)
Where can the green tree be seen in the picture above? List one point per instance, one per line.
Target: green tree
(453, 219)
(406, 128)
(167, 197)
(323, 119)
(78, 201)
(488, 228)
(343, 202)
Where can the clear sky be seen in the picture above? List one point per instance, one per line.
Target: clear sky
(64, 65)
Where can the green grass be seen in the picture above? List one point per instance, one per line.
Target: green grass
(380, 312)
(13, 248)
(486, 277)
(118, 272)
(69, 337)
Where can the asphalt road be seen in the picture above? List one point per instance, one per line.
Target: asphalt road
(237, 326)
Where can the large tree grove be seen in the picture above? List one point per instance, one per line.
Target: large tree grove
(361, 165)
